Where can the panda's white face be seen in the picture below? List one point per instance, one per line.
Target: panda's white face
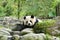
(29, 20)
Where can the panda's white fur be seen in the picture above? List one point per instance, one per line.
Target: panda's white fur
(31, 20)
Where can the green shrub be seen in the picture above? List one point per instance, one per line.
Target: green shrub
(42, 26)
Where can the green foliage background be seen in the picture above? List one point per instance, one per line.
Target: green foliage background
(28, 7)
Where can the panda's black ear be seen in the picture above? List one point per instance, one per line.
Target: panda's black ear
(32, 16)
(24, 17)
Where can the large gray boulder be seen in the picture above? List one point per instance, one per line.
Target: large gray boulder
(10, 22)
(26, 31)
(40, 36)
(5, 37)
(5, 34)
(32, 36)
(5, 31)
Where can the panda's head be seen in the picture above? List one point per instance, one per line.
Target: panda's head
(30, 20)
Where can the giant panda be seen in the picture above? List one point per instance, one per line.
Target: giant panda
(29, 22)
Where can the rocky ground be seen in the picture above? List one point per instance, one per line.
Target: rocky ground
(6, 33)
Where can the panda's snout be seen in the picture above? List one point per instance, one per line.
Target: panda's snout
(29, 24)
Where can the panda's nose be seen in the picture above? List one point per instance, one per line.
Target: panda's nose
(29, 24)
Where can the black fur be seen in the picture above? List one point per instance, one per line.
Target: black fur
(36, 20)
(19, 27)
(25, 17)
(32, 16)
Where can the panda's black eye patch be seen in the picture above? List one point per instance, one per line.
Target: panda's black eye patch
(26, 21)
(30, 21)
(24, 17)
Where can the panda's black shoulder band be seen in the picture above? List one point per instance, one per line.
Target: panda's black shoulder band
(36, 20)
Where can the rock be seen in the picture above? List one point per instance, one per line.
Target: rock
(41, 36)
(55, 38)
(15, 33)
(26, 31)
(49, 37)
(5, 37)
(33, 36)
(5, 31)
(10, 22)
(16, 37)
